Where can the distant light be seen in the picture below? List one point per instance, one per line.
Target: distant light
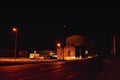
(14, 29)
(64, 26)
(86, 51)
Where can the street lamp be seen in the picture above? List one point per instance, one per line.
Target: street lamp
(60, 52)
(15, 30)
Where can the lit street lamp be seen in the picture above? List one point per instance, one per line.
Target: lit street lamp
(58, 45)
(15, 30)
(60, 52)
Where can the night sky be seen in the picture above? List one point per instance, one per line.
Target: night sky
(42, 28)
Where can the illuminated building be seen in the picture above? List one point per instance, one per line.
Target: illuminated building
(76, 47)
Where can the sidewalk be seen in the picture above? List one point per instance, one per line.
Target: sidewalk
(12, 61)
(29, 59)
(18, 61)
(23, 59)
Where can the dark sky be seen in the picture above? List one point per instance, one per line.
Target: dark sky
(41, 28)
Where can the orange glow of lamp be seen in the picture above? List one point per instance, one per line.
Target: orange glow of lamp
(58, 44)
(15, 29)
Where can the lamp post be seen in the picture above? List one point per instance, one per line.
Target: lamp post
(60, 51)
(15, 30)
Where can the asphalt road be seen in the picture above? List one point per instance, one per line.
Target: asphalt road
(88, 69)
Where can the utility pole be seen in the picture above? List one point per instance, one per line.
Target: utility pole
(114, 45)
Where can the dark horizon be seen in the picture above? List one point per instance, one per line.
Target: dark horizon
(42, 28)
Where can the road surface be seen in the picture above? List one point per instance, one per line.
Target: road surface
(87, 69)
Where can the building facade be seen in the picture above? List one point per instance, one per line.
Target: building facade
(76, 47)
